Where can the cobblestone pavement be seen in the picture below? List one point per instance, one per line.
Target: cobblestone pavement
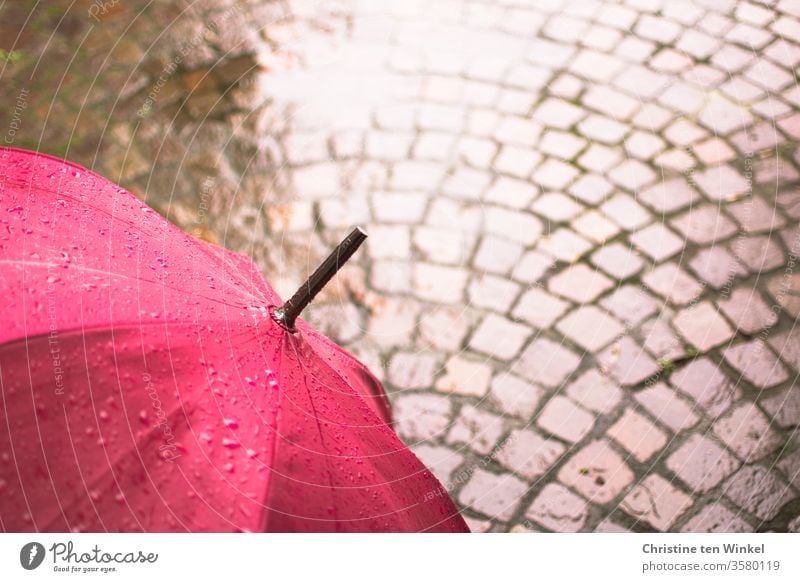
(580, 286)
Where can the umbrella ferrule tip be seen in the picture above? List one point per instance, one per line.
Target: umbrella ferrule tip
(279, 316)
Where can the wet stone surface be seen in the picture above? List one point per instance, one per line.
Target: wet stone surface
(580, 287)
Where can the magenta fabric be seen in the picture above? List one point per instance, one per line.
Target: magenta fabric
(145, 386)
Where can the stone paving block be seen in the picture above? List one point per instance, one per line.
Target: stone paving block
(595, 66)
(529, 454)
(554, 174)
(714, 151)
(716, 518)
(790, 467)
(558, 509)
(595, 391)
(496, 255)
(391, 276)
(477, 429)
(674, 160)
(382, 145)
(757, 490)
(590, 327)
(756, 363)
(433, 145)
(657, 29)
(445, 327)
(496, 496)
(517, 131)
(596, 472)
(702, 326)
(422, 416)
(580, 284)
(652, 117)
(641, 82)
(466, 183)
(627, 362)
(532, 266)
(667, 407)
(317, 180)
(716, 266)
(558, 113)
(602, 129)
(416, 175)
(595, 227)
(511, 192)
(539, 308)
(748, 312)
(556, 207)
(759, 254)
(657, 242)
(637, 435)
(785, 289)
(643, 145)
(673, 284)
(438, 283)
(405, 207)
(561, 145)
(411, 371)
(498, 337)
(706, 384)
(477, 152)
(684, 133)
(699, 45)
(566, 86)
(490, 292)
(465, 377)
(787, 345)
(599, 158)
(704, 224)
(657, 502)
(661, 341)
(754, 215)
(618, 261)
(631, 304)
(564, 419)
(442, 245)
(392, 321)
(732, 58)
(608, 101)
(626, 212)
(701, 463)
(564, 245)
(482, 122)
(518, 162)
(514, 395)
(722, 183)
(721, 117)
(758, 138)
(516, 226)
(440, 460)
(746, 431)
(546, 362)
(632, 175)
(463, 217)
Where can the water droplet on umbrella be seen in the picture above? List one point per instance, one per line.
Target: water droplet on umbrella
(230, 443)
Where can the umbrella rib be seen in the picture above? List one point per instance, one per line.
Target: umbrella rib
(326, 456)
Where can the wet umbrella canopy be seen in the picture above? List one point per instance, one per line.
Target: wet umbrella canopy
(154, 382)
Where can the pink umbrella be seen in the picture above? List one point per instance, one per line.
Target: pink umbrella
(150, 383)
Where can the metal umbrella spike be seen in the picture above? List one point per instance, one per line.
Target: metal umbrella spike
(287, 314)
